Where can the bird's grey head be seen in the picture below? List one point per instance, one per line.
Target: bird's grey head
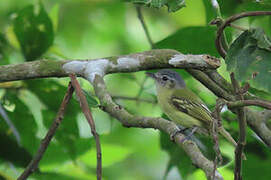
(167, 78)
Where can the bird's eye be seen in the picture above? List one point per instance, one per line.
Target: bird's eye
(164, 78)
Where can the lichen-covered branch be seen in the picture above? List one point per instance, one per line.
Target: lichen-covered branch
(154, 59)
(257, 121)
(129, 120)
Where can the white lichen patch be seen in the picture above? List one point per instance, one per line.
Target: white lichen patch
(76, 67)
(89, 69)
(126, 63)
(98, 67)
(181, 59)
(177, 59)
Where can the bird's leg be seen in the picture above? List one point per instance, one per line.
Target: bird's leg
(179, 130)
(172, 135)
(190, 134)
(183, 132)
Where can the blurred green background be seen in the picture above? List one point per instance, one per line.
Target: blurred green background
(87, 29)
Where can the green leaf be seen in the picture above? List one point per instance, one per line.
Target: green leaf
(51, 94)
(195, 40)
(12, 152)
(3, 43)
(178, 157)
(54, 16)
(249, 56)
(34, 30)
(92, 102)
(173, 5)
(23, 120)
(54, 176)
(112, 154)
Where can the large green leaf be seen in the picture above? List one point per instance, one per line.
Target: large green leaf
(195, 40)
(178, 157)
(51, 94)
(173, 5)
(22, 119)
(34, 30)
(249, 56)
(12, 152)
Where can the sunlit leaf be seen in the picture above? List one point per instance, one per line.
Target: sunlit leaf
(111, 154)
(51, 95)
(54, 16)
(22, 119)
(92, 102)
(34, 30)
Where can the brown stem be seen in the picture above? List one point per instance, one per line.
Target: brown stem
(217, 123)
(33, 165)
(141, 19)
(228, 22)
(242, 131)
(256, 102)
(88, 115)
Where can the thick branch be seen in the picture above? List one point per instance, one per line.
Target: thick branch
(154, 59)
(256, 120)
(169, 127)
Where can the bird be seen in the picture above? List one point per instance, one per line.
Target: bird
(183, 106)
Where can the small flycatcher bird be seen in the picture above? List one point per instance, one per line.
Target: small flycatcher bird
(182, 106)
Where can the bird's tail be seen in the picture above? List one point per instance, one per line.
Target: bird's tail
(227, 135)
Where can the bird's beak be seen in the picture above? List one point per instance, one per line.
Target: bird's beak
(152, 75)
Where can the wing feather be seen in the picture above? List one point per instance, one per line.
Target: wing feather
(196, 109)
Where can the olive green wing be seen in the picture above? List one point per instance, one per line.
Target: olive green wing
(188, 102)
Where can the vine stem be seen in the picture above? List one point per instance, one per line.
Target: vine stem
(84, 106)
(228, 22)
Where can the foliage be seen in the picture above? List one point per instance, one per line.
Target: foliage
(172, 5)
(34, 30)
(90, 29)
(249, 57)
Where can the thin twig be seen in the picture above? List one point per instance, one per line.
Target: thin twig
(33, 165)
(14, 130)
(84, 106)
(217, 123)
(135, 99)
(141, 87)
(141, 19)
(242, 131)
(240, 28)
(256, 102)
(227, 22)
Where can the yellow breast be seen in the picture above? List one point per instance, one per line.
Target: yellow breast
(172, 112)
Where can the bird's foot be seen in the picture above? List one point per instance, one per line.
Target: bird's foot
(190, 134)
(182, 131)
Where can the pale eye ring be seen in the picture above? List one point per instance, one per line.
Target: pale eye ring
(164, 78)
